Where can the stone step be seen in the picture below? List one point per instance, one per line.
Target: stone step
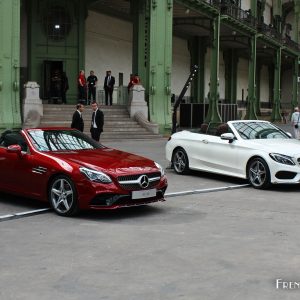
(107, 121)
(73, 108)
(109, 128)
(117, 123)
(110, 121)
(85, 117)
(115, 137)
(86, 112)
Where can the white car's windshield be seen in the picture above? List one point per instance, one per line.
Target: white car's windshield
(61, 140)
(259, 130)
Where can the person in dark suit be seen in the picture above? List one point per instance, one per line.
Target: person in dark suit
(97, 122)
(64, 87)
(92, 85)
(77, 121)
(109, 82)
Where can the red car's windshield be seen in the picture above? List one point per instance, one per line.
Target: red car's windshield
(61, 140)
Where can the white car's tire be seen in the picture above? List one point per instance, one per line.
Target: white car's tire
(180, 161)
(258, 173)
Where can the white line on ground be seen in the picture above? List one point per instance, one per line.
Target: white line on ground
(23, 214)
(168, 195)
(210, 190)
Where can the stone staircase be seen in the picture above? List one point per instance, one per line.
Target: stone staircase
(117, 123)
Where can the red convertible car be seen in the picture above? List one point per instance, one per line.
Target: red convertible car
(73, 172)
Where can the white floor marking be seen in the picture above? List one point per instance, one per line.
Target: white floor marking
(23, 214)
(210, 190)
(167, 195)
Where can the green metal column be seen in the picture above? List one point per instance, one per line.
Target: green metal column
(271, 83)
(296, 61)
(251, 105)
(213, 97)
(140, 40)
(276, 115)
(258, 79)
(160, 62)
(277, 14)
(296, 21)
(198, 48)
(231, 62)
(294, 101)
(10, 116)
(81, 33)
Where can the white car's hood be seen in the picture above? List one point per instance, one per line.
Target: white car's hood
(290, 147)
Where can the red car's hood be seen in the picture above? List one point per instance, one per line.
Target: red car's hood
(111, 160)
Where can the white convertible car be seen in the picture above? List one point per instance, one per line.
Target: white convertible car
(256, 150)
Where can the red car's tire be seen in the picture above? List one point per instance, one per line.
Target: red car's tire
(62, 196)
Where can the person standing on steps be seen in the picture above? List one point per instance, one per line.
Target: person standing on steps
(81, 81)
(92, 84)
(109, 82)
(77, 120)
(295, 120)
(97, 122)
(64, 87)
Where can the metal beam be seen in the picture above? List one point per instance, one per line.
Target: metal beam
(159, 65)
(276, 114)
(251, 104)
(213, 96)
(10, 116)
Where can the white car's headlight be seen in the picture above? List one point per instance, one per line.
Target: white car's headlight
(283, 159)
(95, 176)
(161, 169)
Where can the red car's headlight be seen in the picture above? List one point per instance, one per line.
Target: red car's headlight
(161, 169)
(95, 176)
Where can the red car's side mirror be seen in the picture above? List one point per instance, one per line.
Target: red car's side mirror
(14, 149)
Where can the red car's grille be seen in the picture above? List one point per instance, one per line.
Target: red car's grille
(131, 182)
(136, 186)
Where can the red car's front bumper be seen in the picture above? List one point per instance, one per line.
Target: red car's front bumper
(111, 196)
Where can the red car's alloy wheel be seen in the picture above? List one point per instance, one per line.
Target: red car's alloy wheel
(63, 196)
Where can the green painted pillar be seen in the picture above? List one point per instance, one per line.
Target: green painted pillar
(296, 61)
(253, 7)
(81, 33)
(294, 101)
(251, 104)
(198, 48)
(10, 115)
(271, 83)
(213, 97)
(140, 40)
(231, 63)
(276, 114)
(296, 21)
(160, 62)
(277, 13)
(258, 79)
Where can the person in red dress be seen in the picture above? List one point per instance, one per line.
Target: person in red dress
(81, 87)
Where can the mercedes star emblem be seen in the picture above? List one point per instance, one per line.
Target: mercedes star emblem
(144, 181)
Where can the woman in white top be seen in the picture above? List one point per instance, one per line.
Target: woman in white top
(296, 122)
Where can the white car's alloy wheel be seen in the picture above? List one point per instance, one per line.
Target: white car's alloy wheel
(180, 161)
(258, 173)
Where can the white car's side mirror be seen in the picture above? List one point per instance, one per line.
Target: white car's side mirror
(227, 136)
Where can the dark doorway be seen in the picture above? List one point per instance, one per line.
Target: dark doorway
(52, 80)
